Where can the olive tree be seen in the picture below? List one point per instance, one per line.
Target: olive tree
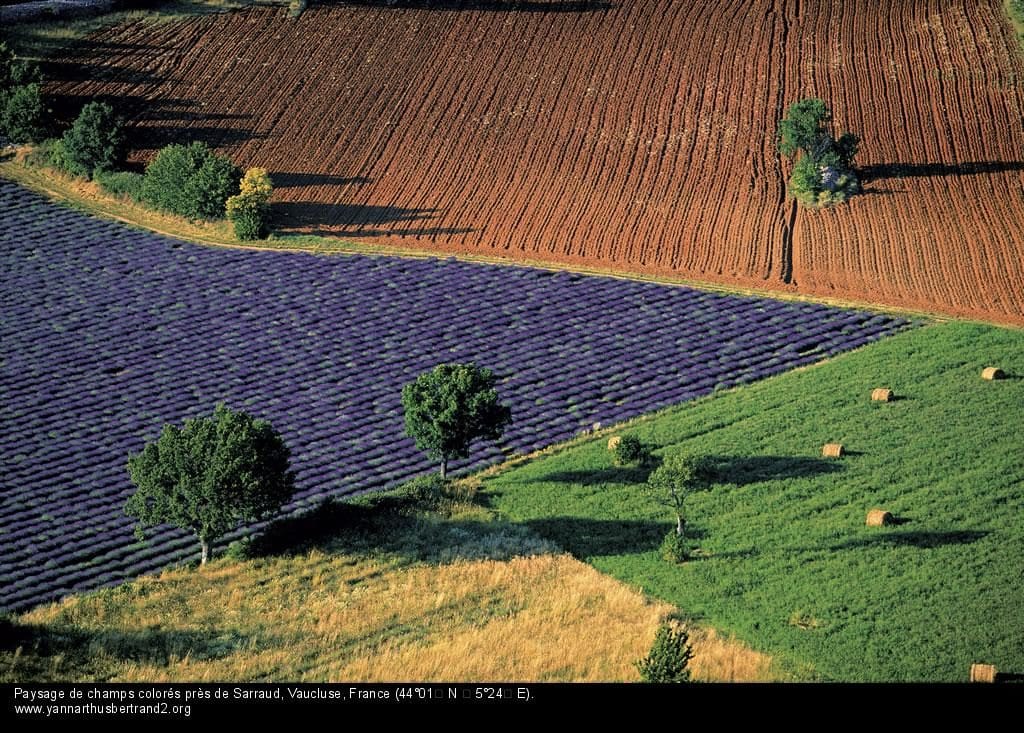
(446, 409)
(209, 475)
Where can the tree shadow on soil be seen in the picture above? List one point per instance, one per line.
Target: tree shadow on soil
(153, 124)
(282, 179)
(511, 6)
(882, 171)
(355, 220)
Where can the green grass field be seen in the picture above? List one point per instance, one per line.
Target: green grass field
(786, 561)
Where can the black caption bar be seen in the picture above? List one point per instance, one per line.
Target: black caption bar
(62, 701)
(262, 702)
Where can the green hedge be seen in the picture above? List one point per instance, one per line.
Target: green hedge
(191, 181)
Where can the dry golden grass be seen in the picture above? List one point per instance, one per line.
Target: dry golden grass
(338, 617)
(720, 659)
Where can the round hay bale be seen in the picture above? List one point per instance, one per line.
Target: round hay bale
(983, 673)
(990, 373)
(882, 395)
(880, 518)
(833, 450)
(613, 442)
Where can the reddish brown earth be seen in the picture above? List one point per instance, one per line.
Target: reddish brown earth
(637, 136)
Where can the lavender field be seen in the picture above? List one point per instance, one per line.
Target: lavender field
(108, 333)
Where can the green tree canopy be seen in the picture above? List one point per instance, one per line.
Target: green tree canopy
(669, 658)
(449, 407)
(22, 109)
(190, 180)
(803, 128)
(95, 141)
(823, 171)
(210, 474)
(679, 475)
(23, 113)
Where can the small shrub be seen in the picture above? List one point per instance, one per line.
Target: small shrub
(631, 451)
(248, 216)
(51, 152)
(669, 657)
(94, 142)
(23, 114)
(120, 183)
(445, 496)
(190, 180)
(240, 549)
(248, 211)
(674, 548)
(425, 490)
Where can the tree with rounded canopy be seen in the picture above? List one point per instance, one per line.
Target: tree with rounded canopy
(209, 475)
(95, 141)
(823, 172)
(679, 475)
(446, 409)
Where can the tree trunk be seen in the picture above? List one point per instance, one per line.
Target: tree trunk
(680, 525)
(206, 551)
(444, 468)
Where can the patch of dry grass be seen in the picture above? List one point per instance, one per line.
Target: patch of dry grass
(342, 617)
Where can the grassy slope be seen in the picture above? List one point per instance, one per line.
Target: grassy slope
(368, 591)
(790, 566)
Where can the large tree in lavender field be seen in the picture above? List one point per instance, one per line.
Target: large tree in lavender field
(211, 474)
(449, 407)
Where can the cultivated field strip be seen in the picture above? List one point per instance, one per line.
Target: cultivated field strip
(632, 135)
(939, 100)
(110, 333)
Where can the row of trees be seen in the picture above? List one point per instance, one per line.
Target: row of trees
(188, 180)
(671, 483)
(213, 473)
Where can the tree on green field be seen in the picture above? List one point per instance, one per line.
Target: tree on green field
(669, 658)
(446, 409)
(95, 142)
(191, 181)
(679, 475)
(209, 475)
(823, 170)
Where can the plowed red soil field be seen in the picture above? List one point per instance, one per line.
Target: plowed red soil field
(630, 135)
